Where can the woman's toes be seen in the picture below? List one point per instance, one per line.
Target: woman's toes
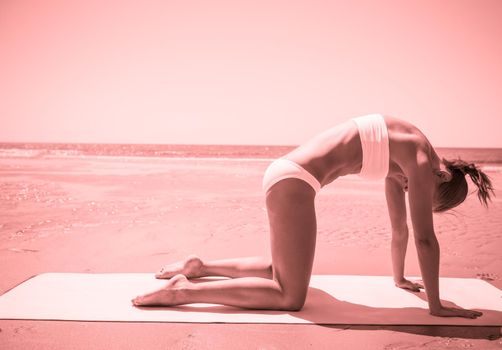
(168, 271)
(160, 273)
(137, 301)
(149, 299)
(171, 294)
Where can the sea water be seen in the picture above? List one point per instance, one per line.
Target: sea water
(490, 159)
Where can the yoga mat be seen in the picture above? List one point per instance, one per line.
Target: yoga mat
(332, 299)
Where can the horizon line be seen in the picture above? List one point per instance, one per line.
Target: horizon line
(3, 143)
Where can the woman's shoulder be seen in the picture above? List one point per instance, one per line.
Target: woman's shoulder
(407, 144)
(407, 133)
(400, 125)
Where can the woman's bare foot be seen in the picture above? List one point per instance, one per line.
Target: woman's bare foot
(190, 267)
(170, 294)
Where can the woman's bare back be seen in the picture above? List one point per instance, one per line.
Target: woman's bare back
(337, 151)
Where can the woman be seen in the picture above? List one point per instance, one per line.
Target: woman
(373, 146)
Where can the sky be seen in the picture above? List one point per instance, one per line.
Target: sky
(247, 72)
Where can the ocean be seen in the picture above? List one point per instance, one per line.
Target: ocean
(489, 158)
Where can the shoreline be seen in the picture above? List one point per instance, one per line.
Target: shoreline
(488, 167)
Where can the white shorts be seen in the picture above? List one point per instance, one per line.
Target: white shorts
(283, 168)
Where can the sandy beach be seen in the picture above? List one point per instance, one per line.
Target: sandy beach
(133, 214)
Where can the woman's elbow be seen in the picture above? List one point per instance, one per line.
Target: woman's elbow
(426, 241)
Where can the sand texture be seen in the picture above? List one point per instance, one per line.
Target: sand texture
(111, 214)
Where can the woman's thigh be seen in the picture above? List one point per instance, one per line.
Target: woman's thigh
(293, 229)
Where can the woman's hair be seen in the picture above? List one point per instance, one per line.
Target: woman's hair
(452, 193)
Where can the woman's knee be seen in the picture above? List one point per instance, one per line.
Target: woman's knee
(293, 299)
(293, 303)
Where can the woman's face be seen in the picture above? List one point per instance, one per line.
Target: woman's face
(442, 175)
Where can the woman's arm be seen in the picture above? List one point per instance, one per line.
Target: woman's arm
(421, 185)
(396, 205)
(420, 193)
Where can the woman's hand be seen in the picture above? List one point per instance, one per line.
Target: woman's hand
(409, 285)
(455, 312)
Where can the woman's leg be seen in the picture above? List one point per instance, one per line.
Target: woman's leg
(291, 212)
(193, 267)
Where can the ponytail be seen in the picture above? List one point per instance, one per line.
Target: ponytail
(478, 177)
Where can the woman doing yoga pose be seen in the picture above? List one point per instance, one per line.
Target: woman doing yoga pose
(373, 146)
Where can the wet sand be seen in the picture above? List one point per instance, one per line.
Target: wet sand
(113, 214)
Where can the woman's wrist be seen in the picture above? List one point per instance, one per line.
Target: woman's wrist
(435, 307)
(399, 279)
